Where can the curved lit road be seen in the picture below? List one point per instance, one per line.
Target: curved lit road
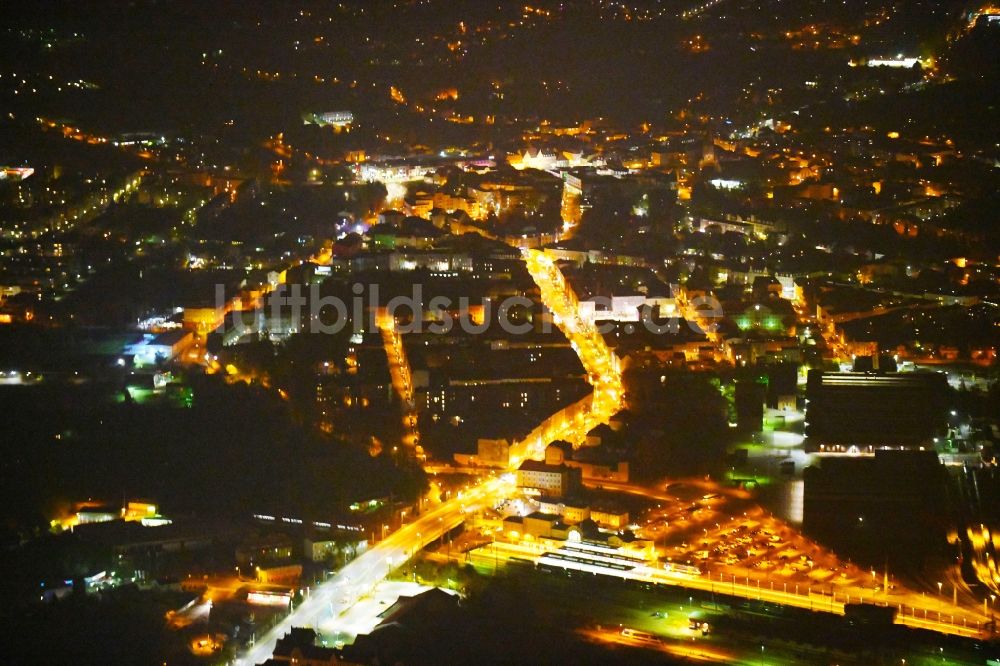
(359, 577)
(335, 596)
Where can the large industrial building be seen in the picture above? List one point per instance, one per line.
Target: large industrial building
(867, 411)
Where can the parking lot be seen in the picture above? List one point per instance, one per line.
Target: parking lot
(727, 535)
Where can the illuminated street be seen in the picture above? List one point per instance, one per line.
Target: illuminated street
(602, 366)
(363, 616)
(561, 332)
(332, 598)
(402, 382)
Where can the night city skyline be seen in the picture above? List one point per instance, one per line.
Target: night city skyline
(449, 332)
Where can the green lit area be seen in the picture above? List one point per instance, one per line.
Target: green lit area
(768, 322)
(367, 507)
(140, 395)
(735, 478)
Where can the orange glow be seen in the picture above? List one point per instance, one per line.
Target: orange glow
(446, 94)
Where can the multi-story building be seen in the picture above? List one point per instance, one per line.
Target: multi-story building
(548, 480)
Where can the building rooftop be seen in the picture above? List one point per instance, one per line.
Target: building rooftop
(548, 517)
(170, 338)
(539, 466)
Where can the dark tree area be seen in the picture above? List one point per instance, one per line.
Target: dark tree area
(233, 451)
(607, 221)
(122, 627)
(683, 418)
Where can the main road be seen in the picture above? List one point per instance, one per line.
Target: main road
(334, 596)
(358, 578)
(602, 365)
(402, 381)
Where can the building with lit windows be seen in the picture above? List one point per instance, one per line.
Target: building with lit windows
(610, 517)
(592, 463)
(336, 119)
(489, 453)
(153, 349)
(548, 480)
